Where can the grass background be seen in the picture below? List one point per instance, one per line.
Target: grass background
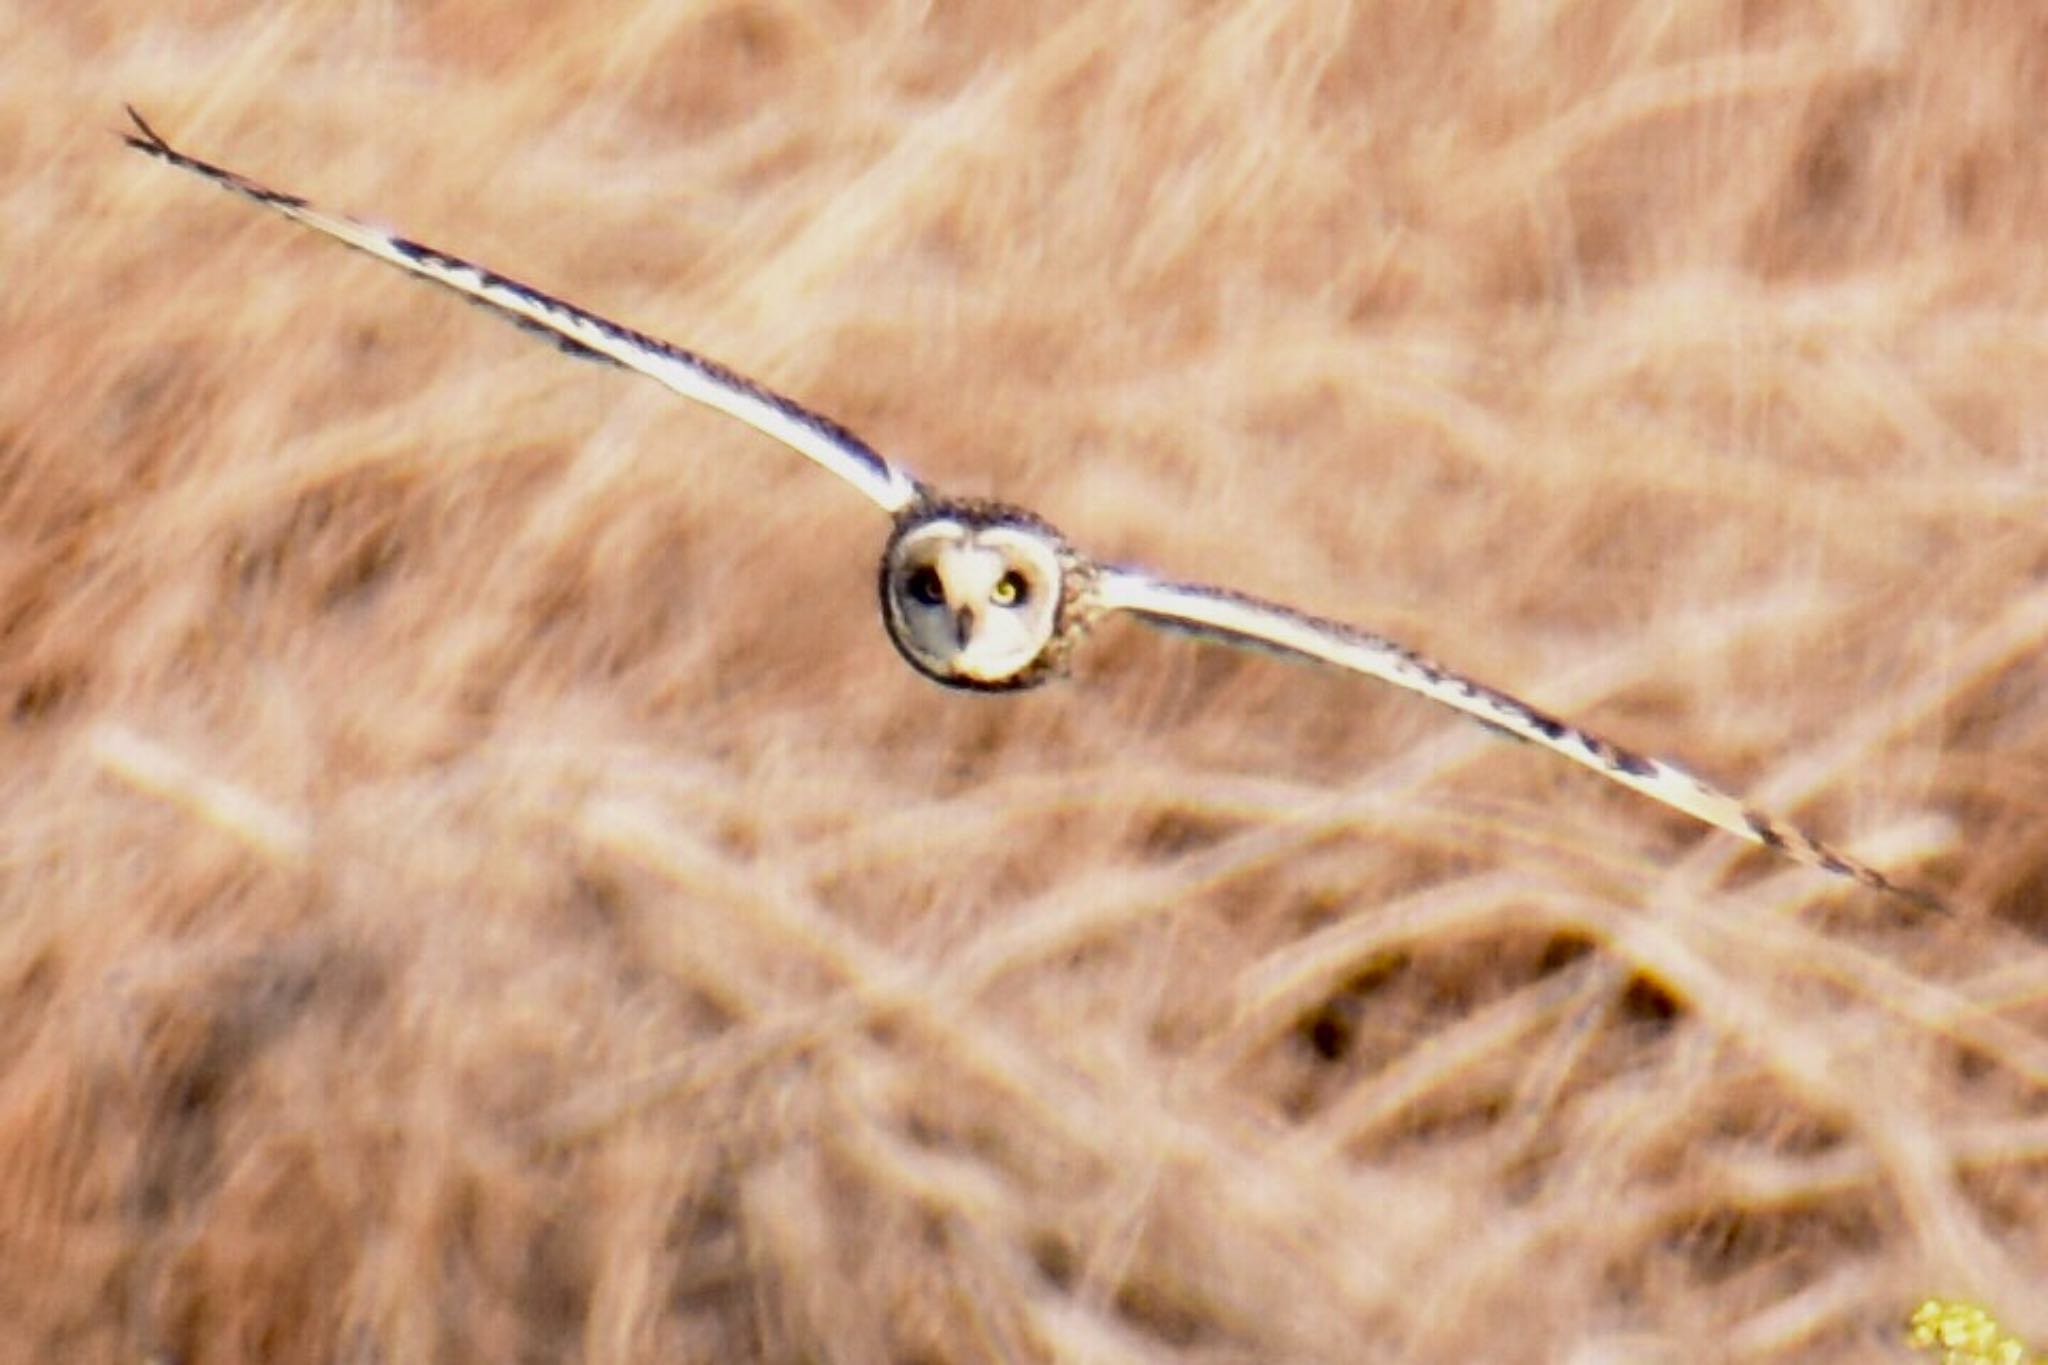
(476, 883)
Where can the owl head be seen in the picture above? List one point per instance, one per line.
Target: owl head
(981, 595)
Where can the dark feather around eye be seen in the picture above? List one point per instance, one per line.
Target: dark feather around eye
(924, 585)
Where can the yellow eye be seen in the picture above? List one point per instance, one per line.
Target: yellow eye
(1011, 590)
(925, 586)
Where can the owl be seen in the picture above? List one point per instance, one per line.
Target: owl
(991, 597)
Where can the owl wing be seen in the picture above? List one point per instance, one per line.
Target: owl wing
(1234, 619)
(582, 333)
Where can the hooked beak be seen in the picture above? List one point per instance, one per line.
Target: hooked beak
(963, 625)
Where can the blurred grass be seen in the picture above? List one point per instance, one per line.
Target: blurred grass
(476, 883)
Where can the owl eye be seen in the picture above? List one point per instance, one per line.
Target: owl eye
(924, 585)
(1011, 590)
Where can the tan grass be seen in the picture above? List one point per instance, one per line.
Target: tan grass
(476, 884)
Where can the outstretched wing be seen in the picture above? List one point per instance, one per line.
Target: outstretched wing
(582, 333)
(1217, 614)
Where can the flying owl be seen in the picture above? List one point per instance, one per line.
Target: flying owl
(991, 597)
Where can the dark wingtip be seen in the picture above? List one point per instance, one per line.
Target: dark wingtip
(1921, 900)
(150, 140)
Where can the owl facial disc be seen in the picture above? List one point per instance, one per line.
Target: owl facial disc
(972, 595)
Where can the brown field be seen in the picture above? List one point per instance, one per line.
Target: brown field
(476, 883)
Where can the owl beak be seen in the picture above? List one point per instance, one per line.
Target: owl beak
(963, 625)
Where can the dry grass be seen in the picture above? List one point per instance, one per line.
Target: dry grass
(478, 885)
